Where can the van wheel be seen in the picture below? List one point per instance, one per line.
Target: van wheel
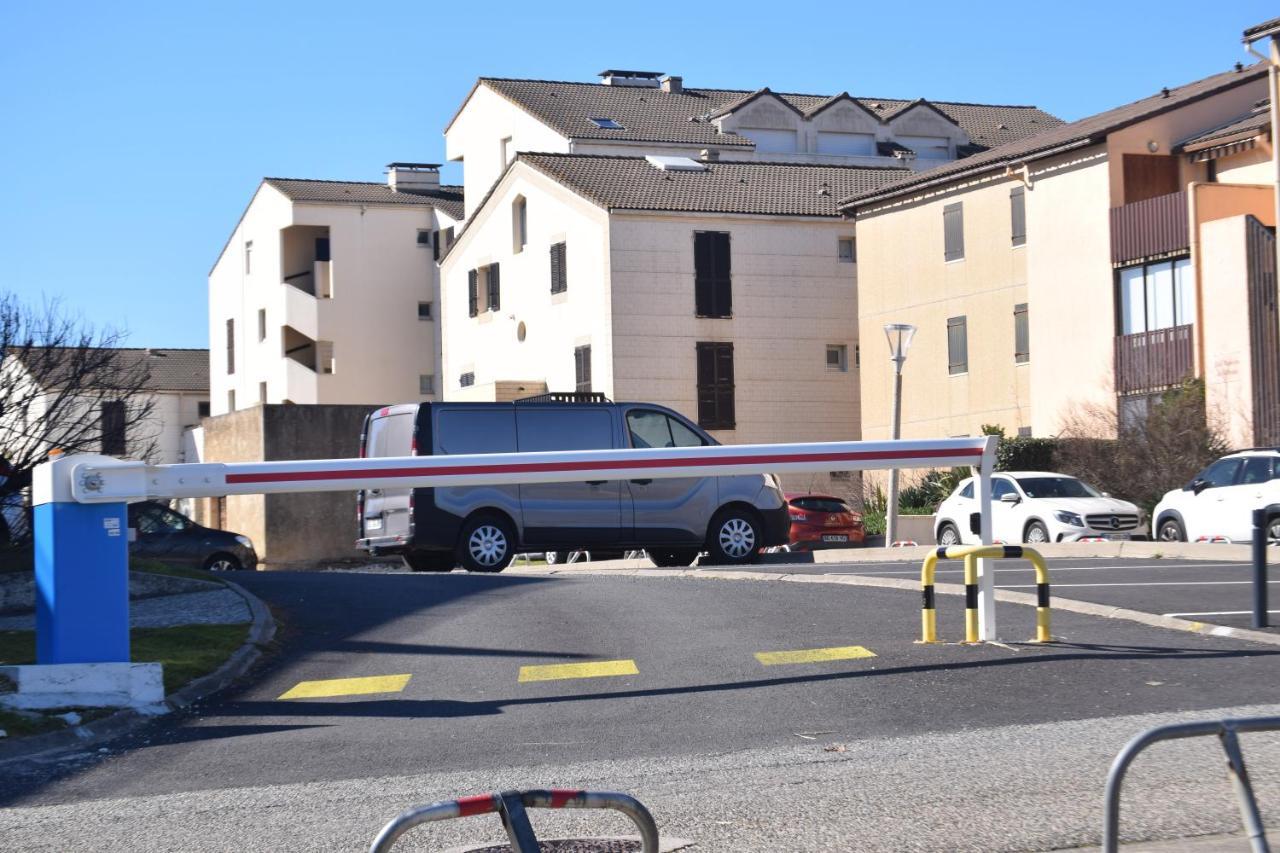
(428, 561)
(673, 559)
(734, 536)
(487, 544)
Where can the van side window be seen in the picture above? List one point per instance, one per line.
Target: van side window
(475, 431)
(654, 429)
(562, 428)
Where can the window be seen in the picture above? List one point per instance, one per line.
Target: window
(493, 288)
(447, 234)
(202, 409)
(324, 356)
(1222, 473)
(1156, 296)
(248, 256)
(654, 429)
(1024, 432)
(426, 384)
(262, 393)
(1001, 487)
(928, 147)
(473, 293)
(559, 273)
(857, 355)
(848, 144)
(519, 224)
(606, 123)
(953, 231)
(262, 324)
(231, 347)
(837, 357)
(582, 368)
(231, 401)
(322, 250)
(967, 491)
(715, 385)
(712, 278)
(424, 310)
(770, 141)
(957, 345)
(845, 250)
(1021, 335)
(424, 238)
(505, 151)
(1257, 469)
(467, 379)
(1018, 215)
(111, 420)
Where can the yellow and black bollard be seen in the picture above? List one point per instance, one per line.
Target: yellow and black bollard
(971, 554)
(970, 599)
(929, 614)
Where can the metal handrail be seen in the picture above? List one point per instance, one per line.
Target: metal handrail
(511, 806)
(1227, 731)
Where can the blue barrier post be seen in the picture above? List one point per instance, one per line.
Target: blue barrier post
(81, 572)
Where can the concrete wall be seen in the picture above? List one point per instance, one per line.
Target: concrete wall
(1225, 326)
(1254, 166)
(378, 274)
(292, 530)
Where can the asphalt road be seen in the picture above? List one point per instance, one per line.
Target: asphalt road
(701, 726)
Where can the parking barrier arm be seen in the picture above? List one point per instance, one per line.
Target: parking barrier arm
(1227, 731)
(511, 805)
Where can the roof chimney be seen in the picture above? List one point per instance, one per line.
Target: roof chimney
(672, 84)
(639, 79)
(413, 177)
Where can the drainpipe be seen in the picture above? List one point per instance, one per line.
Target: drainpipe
(1273, 80)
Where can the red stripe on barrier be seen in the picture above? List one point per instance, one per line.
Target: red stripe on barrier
(479, 804)
(560, 796)
(585, 466)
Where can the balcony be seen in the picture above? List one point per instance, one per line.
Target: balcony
(1151, 228)
(1151, 361)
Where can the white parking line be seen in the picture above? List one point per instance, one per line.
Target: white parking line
(1219, 613)
(1054, 568)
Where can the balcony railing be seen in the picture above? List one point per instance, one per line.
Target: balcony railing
(1150, 361)
(1150, 228)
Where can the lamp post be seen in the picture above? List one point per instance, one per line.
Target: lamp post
(899, 335)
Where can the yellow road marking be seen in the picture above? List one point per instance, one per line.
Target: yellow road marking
(595, 669)
(347, 687)
(815, 655)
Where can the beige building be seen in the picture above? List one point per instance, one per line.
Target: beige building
(1097, 263)
(327, 292)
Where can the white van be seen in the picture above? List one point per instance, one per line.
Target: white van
(482, 527)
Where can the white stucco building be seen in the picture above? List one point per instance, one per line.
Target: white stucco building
(327, 291)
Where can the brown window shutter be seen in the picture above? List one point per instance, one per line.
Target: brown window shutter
(953, 231)
(473, 293)
(1018, 215)
(495, 288)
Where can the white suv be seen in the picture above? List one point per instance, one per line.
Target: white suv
(1036, 506)
(1219, 501)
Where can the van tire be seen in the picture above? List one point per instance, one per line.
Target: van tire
(428, 561)
(735, 536)
(487, 543)
(675, 558)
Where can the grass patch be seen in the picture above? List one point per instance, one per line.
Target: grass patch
(187, 651)
(157, 568)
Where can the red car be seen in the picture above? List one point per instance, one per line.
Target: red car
(823, 521)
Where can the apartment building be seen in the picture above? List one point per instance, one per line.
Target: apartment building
(1098, 263)
(326, 292)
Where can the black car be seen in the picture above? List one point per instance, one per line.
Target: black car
(171, 537)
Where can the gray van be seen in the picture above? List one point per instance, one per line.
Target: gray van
(482, 527)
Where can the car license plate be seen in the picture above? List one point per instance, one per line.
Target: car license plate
(373, 524)
(834, 537)
(1115, 537)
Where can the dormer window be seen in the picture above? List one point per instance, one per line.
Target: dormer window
(606, 123)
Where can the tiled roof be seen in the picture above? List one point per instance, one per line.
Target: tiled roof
(1266, 28)
(1239, 128)
(447, 198)
(780, 189)
(1074, 134)
(652, 115)
(170, 369)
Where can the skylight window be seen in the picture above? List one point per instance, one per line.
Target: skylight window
(606, 123)
(676, 164)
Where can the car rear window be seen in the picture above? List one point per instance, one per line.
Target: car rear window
(815, 504)
(391, 435)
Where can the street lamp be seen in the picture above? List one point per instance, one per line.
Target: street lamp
(899, 335)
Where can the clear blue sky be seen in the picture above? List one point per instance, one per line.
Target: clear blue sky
(133, 134)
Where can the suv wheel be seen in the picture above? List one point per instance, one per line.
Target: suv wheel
(948, 535)
(734, 536)
(222, 563)
(673, 559)
(487, 544)
(1170, 530)
(428, 561)
(1036, 533)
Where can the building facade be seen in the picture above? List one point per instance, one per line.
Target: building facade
(327, 292)
(1093, 266)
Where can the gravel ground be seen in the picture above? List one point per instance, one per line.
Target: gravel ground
(215, 607)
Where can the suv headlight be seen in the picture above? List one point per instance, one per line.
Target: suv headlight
(1070, 518)
(245, 541)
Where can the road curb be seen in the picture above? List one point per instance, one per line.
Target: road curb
(1085, 608)
(261, 631)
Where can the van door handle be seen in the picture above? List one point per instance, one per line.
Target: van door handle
(375, 491)
(642, 482)
(596, 482)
